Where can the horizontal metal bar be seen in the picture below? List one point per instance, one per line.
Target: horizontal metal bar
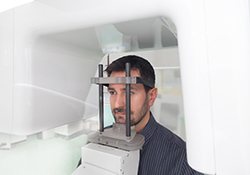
(118, 80)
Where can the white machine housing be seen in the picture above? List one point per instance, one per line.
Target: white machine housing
(100, 159)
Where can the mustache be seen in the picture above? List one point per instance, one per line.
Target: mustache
(118, 110)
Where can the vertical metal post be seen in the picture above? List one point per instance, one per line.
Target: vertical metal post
(128, 105)
(101, 110)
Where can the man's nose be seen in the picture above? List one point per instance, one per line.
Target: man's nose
(119, 100)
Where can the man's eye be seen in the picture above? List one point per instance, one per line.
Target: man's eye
(112, 92)
(131, 92)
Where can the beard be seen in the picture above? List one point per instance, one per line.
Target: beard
(136, 117)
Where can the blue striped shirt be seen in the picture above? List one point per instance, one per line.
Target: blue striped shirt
(163, 153)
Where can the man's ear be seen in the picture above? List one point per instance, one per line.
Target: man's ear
(152, 94)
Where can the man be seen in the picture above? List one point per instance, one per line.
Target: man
(163, 153)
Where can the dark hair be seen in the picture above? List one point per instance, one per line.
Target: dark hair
(137, 63)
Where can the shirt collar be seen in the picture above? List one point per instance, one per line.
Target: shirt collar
(149, 129)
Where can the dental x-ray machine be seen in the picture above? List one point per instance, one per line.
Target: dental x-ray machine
(49, 49)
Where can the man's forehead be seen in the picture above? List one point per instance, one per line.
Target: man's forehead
(133, 73)
(123, 87)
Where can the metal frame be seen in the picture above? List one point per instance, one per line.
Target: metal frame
(128, 80)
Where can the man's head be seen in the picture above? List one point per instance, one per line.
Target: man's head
(144, 67)
(142, 96)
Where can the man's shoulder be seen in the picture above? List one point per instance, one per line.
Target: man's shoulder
(169, 138)
(161, 137)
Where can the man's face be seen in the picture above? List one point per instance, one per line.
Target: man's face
(139, 100)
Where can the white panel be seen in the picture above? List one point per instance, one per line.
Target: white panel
(6, 70)
(51, 72)
(108, 158)
(38, 109)
(196, 86)
(5, 5)
(228, 45)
